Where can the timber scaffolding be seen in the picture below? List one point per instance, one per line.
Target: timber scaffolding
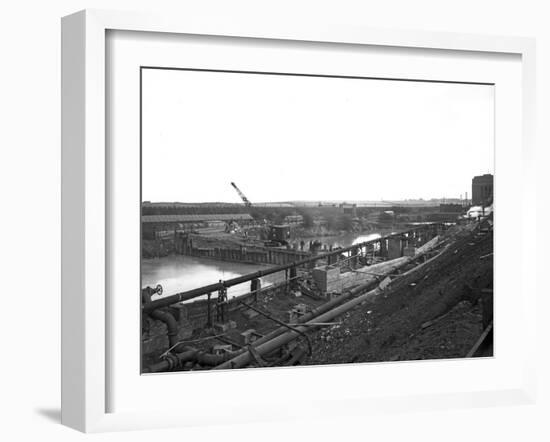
(390, 246)
(248, 254)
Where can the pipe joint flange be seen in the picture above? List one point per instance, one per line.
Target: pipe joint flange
(172, 360)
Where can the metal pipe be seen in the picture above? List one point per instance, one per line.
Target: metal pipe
(272, 345)
(191, 294)
(323, 308)
(268, 344)
(309, 316)
(281, 323)
(189, 355)
(171, 325)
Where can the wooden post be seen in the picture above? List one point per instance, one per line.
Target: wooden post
(208, 313)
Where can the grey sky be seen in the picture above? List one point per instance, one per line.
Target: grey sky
(304, 138)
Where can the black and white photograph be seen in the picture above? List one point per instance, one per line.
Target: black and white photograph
(296, 220)
(275, 221)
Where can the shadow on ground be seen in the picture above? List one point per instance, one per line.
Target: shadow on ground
(51, 414)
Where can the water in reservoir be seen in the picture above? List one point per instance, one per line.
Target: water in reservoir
(179, 273)
(346, 240)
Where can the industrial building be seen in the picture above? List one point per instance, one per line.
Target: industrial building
(294, 219)
(154, 226)
(482, 190)
(348, 209)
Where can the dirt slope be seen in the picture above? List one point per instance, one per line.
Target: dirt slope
(434, 313)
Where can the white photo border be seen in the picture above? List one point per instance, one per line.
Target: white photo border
(85, 214)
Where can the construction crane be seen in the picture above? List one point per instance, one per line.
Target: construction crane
(277, 236)
(246, 202)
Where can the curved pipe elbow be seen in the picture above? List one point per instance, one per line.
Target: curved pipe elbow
(171, 324)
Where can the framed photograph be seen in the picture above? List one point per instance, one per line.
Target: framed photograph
(291, 221)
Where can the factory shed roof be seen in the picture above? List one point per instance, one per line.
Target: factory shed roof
(195, 218)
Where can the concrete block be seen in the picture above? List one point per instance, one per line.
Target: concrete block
(292, 316)
(247, 337)
(223, 327)
(384, 283)
(394, 248)
(326, 277)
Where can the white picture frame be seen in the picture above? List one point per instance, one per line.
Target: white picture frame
(85, 215)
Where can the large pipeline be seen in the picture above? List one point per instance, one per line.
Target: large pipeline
(188, 355)
(210, 359)
(263, 346)
(273, 344)
(323, 308)
(269, 345)
(191, 294)
(281, 335)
